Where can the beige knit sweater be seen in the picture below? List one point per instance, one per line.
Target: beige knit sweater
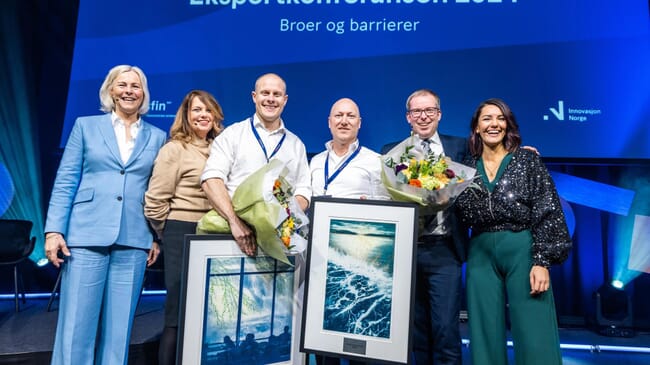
(175, 186)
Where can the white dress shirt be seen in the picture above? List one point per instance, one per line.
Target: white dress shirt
(361, 177)
(126, 147)
(235, 154)
(435, 144)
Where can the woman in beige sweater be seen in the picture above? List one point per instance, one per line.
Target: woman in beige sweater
(175, 201)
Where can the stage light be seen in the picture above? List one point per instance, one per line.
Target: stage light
(613, 312)
(617, 284)
(593, 348)
(19, 144)
(7, 189)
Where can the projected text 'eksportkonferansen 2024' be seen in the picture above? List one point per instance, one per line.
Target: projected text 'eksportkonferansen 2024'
(234, 4)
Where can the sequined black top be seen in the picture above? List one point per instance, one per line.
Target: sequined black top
(524, 197)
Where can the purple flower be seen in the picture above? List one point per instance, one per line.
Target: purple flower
(400, 167)
(450, 173)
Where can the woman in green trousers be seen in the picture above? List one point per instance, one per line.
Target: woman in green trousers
(518, 231)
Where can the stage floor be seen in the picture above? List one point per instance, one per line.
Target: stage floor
(27, 337)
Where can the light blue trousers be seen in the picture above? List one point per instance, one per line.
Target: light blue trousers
(100, 286)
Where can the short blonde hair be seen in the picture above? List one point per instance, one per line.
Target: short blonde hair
(421, 92)
(107, 102)
(270, 75)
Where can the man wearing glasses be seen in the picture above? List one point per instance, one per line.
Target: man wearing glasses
(441, 247)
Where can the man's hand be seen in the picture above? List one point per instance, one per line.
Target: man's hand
(302, 202)
(244, 236)
(531, 148)
(215, 189)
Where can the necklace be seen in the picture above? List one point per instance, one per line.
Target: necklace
(491, 167)
(491, 172)
(492, 159)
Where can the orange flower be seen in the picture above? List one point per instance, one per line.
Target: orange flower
(415, 182)
(288, 227)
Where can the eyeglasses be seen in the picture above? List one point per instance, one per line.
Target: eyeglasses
(430, 112)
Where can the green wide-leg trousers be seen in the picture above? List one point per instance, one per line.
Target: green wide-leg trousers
(498, 272)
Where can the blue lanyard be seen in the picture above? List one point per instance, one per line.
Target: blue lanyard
(259, 141)
(329, 179)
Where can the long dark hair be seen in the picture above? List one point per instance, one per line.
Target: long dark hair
(511, 141)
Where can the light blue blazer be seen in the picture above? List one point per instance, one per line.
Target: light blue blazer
(97, 200)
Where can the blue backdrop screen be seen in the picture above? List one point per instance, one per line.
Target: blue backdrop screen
(576, 73)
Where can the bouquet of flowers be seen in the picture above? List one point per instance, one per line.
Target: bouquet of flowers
(265, 201)
(289, 226)
(434, 181)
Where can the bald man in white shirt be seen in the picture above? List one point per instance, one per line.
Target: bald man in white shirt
(346, 169)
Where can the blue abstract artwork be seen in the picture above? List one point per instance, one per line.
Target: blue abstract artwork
(358, 293)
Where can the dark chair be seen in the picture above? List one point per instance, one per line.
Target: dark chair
(55, 290)
(15, 246)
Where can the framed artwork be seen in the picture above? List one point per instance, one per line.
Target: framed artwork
(237, 309)
(360, 280)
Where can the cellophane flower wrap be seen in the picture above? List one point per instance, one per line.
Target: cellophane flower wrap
(433, 181)
(265, 201)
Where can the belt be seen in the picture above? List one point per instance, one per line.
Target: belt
(434, 240)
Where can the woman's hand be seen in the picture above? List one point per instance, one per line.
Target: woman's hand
(54, 242)
(540, 280)
(154, 251)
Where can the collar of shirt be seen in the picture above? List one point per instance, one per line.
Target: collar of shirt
(260, 127)
(125, 147)
(336, 158)
(119, 123)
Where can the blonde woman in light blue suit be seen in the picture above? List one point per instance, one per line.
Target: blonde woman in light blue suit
(96, 224)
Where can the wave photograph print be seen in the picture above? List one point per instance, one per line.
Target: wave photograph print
(359, 277)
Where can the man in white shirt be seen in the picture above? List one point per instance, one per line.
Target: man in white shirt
(246, 146)
(346, 169)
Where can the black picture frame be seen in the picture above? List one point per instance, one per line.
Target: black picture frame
(360, 279)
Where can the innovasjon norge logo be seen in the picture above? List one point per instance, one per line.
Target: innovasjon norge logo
(572, 114)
